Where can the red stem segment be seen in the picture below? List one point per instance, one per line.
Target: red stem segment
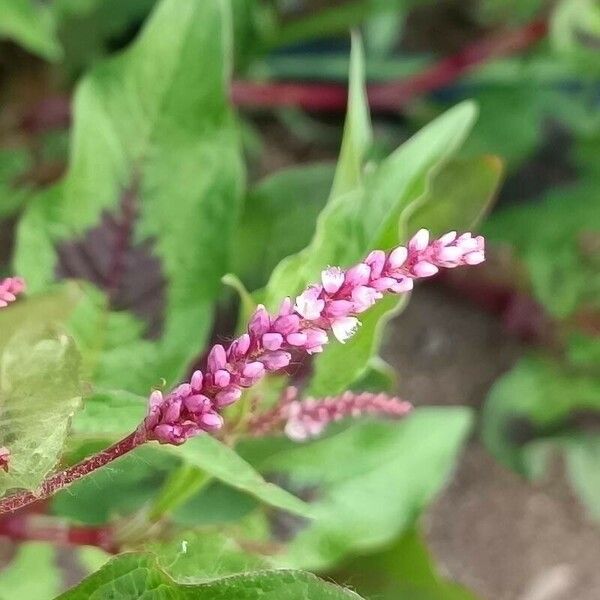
(393, 95)
(65, 478)
(54, 112)
(27, 527)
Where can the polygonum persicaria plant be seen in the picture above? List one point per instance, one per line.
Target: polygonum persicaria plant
(330, 307)
(10, 288)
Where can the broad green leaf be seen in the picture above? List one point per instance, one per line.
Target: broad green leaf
(215, 505)
(197, 557)
(278, 220)
(30, 24)
(140, 575)
(403, 571)
(575, 31)
(13, 163)
(223, 463)
(89, 28)
(534, 401)
(16, 579)
(154, 137)
(110, 414)
(460, 195)
(563, 269)
(53, 308)
(456, 200)
(343, 364)
(394, 462)
(39, 393)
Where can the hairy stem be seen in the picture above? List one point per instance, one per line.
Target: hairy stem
(62, 479)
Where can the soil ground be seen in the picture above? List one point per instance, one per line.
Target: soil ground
(503, 537)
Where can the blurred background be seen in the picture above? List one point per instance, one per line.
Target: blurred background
(518, 339)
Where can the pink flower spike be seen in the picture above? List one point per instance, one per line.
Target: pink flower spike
(196, 403)
(344, 328)
(254, 370)
(217, 358)
(4, 458)
(196, 381)
(424, 269)
(397, 257)
(10, 288)
(419, 241)
(364, 297)
(358, 275)
(287, 324)
(274, 361)
(402, 286)
(447, 238)
(376, 260)
(222, 378)
(228, 396)
(333, 279)
(272, 341)
(309, 305)
(260, 322)
(286, 307)
(339, 308)
(474, 258)
(212, 420)
(296, 339)
(302, 328)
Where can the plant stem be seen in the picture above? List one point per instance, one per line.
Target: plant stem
(392, 95)
(27, 527)
(65, 478)
(55, 112)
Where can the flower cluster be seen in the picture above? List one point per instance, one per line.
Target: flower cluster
(301, 326)
(10, 288)
(301, 420)
(4, 458)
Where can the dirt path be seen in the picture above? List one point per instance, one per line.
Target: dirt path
(503, 537)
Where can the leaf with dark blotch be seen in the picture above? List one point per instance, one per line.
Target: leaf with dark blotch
(147, 208)
(128, 271)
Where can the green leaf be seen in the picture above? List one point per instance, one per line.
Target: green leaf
(582, 458)
(358, 134)
(16, 579)
(564, 274)
(393, 462)
(575, 32)
(403, 571)
(108, 415)
(220, 461)
(460, 195)
(31, 25)
(154, 134)
(13, 163)
(139, 575)
(532, 402)
(197, 557)
(279, 218)
(292, 273)
(39, 393)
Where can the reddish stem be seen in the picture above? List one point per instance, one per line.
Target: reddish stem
(395, 94)
(54, 112)
(65, 478)
(58, 531)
